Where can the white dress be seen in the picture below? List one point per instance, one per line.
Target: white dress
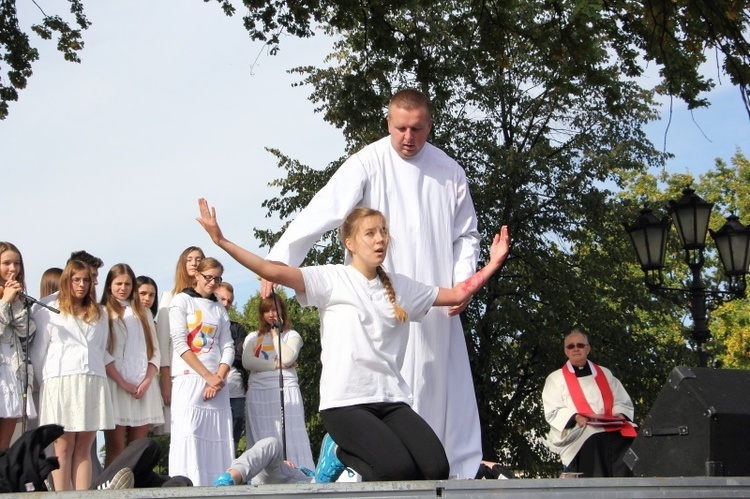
(434, 240)
(202, 446)
(68, 355)
(13, 327)
(263, 399)
(165, 348)
(131, 361)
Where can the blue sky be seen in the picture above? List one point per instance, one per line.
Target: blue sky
(170, 105)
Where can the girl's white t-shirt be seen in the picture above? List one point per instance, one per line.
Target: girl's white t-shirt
(362, 343)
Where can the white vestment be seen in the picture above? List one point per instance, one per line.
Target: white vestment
(559, 408)
(434, 240)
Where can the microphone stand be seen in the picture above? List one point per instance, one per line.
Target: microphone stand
(279, 325)
(28, 301)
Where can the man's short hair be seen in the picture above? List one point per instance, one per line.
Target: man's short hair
(87, 258)
(410, 99)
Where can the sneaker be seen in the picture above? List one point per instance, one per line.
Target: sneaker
(329, 467)
(224, 479)
(307, 472)
(123, 479)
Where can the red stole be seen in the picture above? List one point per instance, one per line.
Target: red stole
(582, 405)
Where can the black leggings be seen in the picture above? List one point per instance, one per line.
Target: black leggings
(386, 441)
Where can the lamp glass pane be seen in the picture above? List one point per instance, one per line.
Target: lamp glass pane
(691, 222)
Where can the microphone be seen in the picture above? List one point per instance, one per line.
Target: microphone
(30, 299)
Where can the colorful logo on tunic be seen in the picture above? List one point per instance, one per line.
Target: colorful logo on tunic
(264, 351)
(200, 334)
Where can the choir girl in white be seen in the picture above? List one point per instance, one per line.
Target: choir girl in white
(147, 291)
(69, 351)
(132, 362)
(15, 328)
(201, 445)
(261, 358)
(184, 277)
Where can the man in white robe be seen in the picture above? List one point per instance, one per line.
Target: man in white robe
(425, 197)
(580, 439)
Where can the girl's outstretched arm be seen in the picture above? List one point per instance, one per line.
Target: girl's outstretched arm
(290, 277)
(463, 290)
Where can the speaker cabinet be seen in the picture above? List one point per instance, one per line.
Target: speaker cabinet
(698, 426)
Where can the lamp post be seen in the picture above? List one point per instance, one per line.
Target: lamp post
(690, 215)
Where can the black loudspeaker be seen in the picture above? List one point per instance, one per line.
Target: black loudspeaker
(698, 426)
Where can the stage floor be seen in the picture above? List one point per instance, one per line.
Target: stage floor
(687, 487)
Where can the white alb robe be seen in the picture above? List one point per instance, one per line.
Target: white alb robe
(434, 240)
(559, 408)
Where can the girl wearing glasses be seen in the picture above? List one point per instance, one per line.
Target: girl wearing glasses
(201, 446)
(14, 329)
(184, 277)
(69, 350)
(132, 362)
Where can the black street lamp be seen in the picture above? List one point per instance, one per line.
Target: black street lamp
(691, 215)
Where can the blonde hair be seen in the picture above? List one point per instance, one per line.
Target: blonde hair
(182, 279)
(348, 230)
(115, 309)
(208, 263)
(91, 312)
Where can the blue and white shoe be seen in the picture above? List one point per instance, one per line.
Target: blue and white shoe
(224, 479)
(329, 466)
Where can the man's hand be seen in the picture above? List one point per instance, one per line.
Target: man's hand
(500, 246)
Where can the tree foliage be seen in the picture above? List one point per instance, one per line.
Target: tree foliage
(18, 54)
(675, 35)
(726, 187)
(546, 120)
(539, 102)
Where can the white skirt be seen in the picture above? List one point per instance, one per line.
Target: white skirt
(201, 446)
(78, 402)
(130, 411)
(11, 391)
(264, 420)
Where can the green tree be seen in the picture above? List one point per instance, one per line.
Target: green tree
(674, 35)
(726, 187)
(731, 322)
(537, 101)
(529, 98)
(18, 54)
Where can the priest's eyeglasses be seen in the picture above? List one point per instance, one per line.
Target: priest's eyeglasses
(576, 345)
